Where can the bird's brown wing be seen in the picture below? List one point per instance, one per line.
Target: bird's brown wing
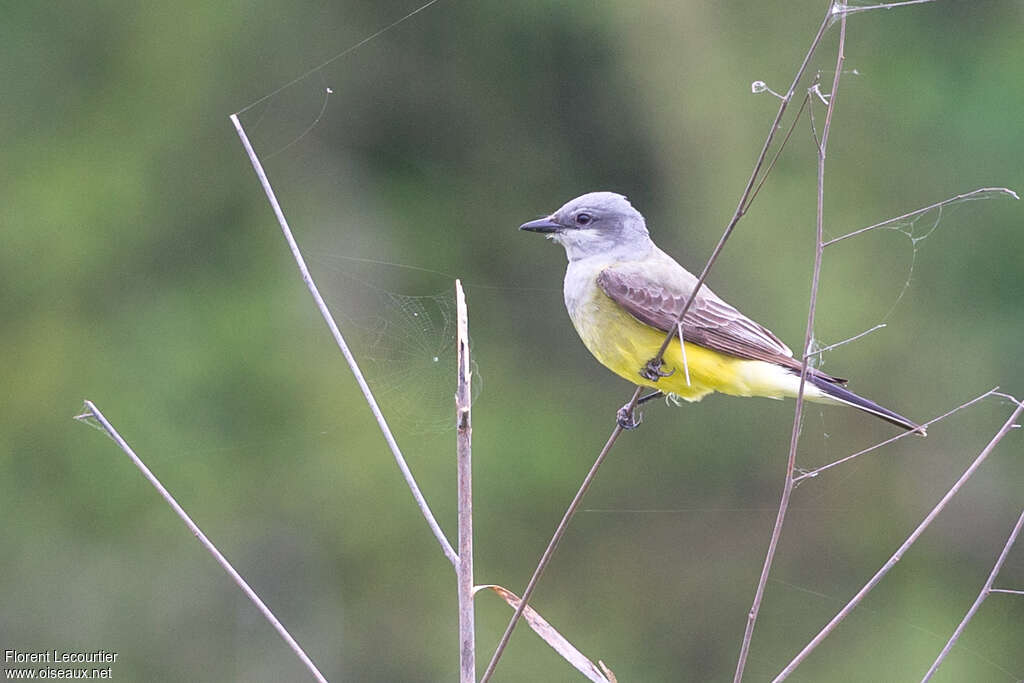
(709, 322)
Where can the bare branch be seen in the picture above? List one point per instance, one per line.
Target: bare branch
(552, 545)
(898, 555)
(464, 451)
(92, 412)
(843, 8)
(980, 193)
(794, 438)
(854, 338)
(747, 197)
(985, 590)
(818, 470)
(1006, 396)
(782, 146)
(417, 495)
(682, 350)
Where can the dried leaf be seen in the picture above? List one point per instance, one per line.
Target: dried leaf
(555, 639)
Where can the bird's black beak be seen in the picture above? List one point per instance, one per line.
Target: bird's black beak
(541, 225)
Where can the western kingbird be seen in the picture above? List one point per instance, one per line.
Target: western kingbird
(624, 295)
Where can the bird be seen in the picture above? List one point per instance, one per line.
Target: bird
(624, 296)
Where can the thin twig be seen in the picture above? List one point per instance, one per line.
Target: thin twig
(682, 350)
(421, 502)
(747, 197)
(843, 8)
(854, 338)
(1005, 590)
(966, 196)
(464, 450)
(794, 438)
(552, 545)
(94, 413)
(741, 209)
(782, 146)
(898, 555)
(818, 470)
(985, 590)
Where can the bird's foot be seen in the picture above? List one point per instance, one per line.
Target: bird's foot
(628, 418)
(653, 370)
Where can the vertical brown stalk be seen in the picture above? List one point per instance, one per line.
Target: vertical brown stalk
(794, 439)
(464, 449)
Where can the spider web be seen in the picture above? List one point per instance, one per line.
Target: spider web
(404, 342)
(411, 359)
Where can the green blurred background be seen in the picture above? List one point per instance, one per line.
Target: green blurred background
(143, 269)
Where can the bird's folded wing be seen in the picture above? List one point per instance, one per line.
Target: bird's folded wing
(709, 322)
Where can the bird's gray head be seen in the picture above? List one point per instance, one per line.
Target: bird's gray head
(597, 223)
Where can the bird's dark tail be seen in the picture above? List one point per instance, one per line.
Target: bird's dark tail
(846, 396)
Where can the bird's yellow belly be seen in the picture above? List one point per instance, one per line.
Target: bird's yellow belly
(623, 344)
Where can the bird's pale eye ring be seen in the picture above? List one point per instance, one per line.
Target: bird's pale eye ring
(583, 218)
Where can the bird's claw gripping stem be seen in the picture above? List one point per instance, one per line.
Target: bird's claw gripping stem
(653, 371)
(628, 418)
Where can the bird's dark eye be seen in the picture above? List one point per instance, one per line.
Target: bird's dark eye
(583, 218)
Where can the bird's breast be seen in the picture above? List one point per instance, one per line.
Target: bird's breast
(580, 288)
(613, 336)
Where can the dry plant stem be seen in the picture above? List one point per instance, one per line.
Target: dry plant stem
(830, 347)
(937, 205)
(794, 438)
(818, 470)
(421, 502)
(746, 198)
(95, 413)
(841, 8)
(985, 591)
(552, 545)
(898, 555)
(464, 466)
(741, 209)
(778, 152)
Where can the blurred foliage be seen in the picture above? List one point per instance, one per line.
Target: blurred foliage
(143, 270)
